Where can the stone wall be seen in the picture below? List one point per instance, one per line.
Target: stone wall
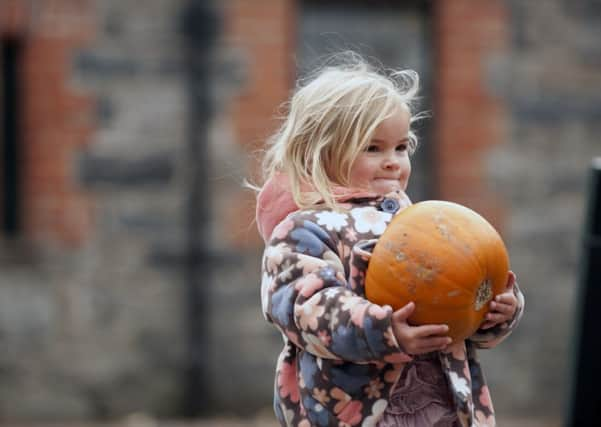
(51, 120)
(99, 329)
(549, 81)
(95, 326)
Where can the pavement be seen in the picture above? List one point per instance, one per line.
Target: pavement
(260, 420)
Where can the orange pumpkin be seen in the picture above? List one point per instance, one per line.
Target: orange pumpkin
(445, 258)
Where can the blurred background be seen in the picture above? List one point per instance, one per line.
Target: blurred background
(129, 259)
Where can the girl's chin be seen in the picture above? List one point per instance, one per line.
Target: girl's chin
(384, 187)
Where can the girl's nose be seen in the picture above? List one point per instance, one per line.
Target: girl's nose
(392, 162)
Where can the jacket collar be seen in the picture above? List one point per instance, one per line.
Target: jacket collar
(275, 202)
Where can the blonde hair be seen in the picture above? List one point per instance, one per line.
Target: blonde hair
(331, 118)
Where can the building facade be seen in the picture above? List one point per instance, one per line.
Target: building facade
(129, 258)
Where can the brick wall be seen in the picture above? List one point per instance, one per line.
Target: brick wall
(261, 36)
(263, 31)
(97, 332)
(469, 118)
(516, 123)
(256, 53)
(56, 118)
(552, 70)
(517, 119)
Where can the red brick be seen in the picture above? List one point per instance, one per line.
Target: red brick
(265, 31)
(469, 120)
(55, 120)
(13, 18)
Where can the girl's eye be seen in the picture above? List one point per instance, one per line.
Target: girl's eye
(402, 147)
(372, 149)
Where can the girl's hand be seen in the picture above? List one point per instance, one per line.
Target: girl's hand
(418, 339)
(503, 307)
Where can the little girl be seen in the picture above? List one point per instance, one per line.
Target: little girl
(336, 172)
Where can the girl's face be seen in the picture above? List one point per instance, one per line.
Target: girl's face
(385, 166)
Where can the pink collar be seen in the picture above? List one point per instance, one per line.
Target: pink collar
(275, 202)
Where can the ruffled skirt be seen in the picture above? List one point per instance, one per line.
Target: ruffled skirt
(421, 397)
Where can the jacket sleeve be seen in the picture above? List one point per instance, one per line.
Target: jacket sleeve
(305, 294)
(489, 338)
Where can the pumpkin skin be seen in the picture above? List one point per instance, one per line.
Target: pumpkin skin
(445, 258)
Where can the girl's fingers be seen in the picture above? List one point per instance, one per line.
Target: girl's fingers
(506, 299)
(487, 325)
(511, 279)
(502, 308)
(496, 317)
(404, 312)
(505, 296)
(425, 331)
(433, 344)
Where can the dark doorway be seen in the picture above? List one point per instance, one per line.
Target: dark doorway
(397, 34)
(9, 137)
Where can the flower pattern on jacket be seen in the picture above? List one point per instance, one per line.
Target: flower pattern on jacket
(340, 359)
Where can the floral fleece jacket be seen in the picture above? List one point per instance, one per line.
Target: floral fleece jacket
(340, 359)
